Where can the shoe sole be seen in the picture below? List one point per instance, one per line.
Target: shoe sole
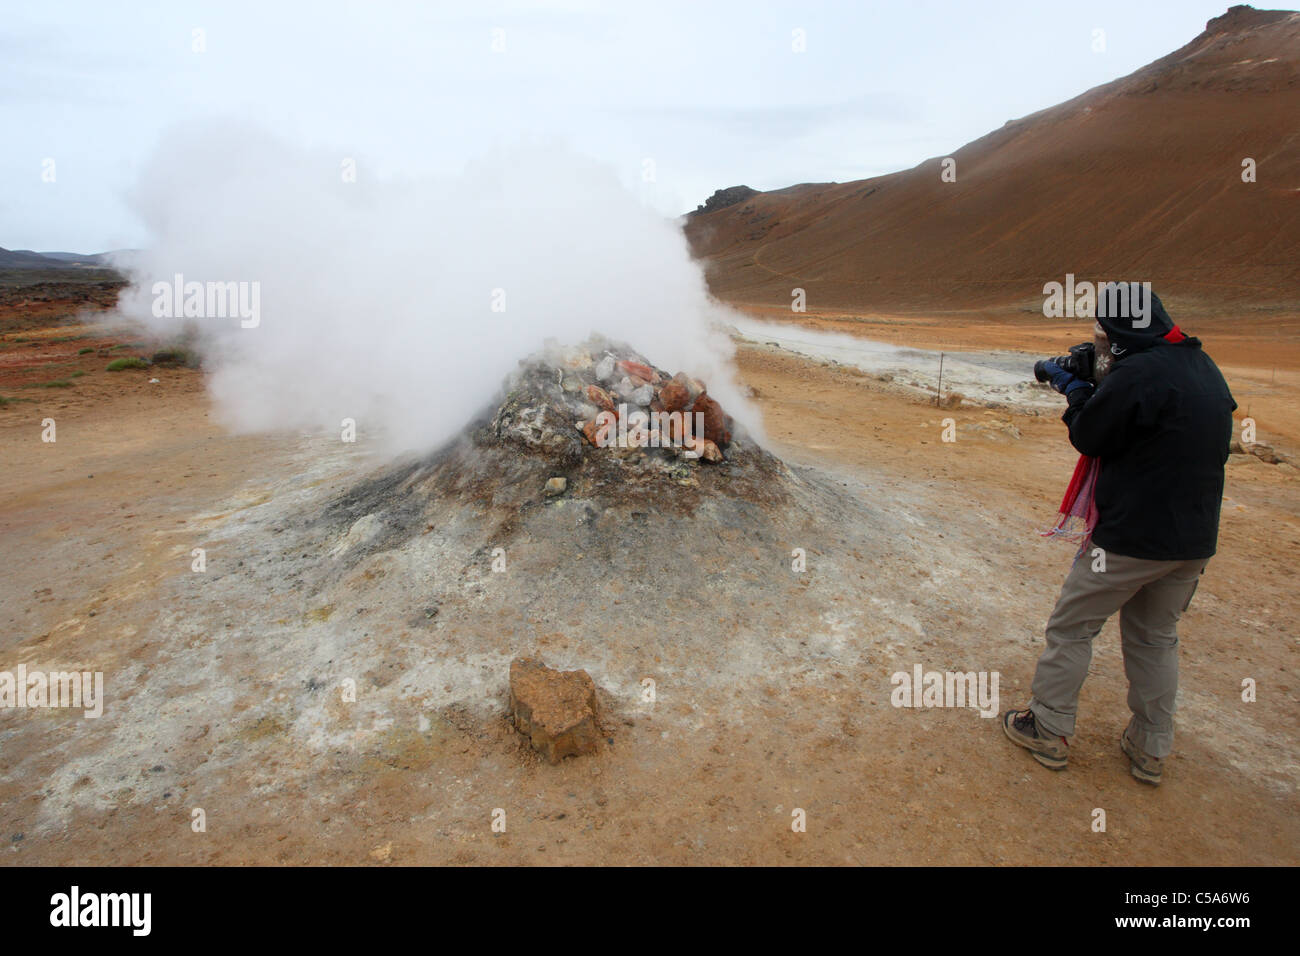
(1050, 762)
(1140, 775)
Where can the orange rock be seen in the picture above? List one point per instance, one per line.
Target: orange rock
(599, 397)
(717, 425)
(671, 426)
(693, 386)
(702, 448)
(600, 431)
(637, 370)
(674, 396)
(555, 710)
(637, 427)
(711, 452)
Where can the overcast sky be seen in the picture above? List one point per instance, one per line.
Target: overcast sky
(712, 94)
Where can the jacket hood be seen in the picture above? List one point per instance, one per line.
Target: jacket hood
(1132, 316)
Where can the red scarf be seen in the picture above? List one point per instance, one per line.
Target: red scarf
(1078, 514)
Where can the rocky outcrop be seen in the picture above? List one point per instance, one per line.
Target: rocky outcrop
(723, 198)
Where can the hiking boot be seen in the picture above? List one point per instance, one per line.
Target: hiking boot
(1142, 765)
(1049, 750)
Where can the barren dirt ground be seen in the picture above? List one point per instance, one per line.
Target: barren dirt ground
(93, 524)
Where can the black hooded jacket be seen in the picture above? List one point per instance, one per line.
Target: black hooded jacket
(1161, 423)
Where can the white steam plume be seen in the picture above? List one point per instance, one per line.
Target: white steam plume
(376, 297)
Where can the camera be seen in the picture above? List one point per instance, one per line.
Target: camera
(1081, 362)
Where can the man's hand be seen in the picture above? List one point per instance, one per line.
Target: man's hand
(1064, 382)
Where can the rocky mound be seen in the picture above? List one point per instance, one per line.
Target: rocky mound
(620, 406)
(596, 423)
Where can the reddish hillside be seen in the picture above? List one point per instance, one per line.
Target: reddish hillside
(1139, 178)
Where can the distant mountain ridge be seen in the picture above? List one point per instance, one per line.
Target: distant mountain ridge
(1140, 178)
(22, 260)
(27, 259)
(97, 259)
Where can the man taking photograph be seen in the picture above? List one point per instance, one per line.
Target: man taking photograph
(1154, 429)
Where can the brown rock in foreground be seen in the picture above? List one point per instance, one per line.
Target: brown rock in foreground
(555, 710)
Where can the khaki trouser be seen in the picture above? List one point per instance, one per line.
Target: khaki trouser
(1150, 597)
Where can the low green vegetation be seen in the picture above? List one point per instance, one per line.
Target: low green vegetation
(118, 365)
